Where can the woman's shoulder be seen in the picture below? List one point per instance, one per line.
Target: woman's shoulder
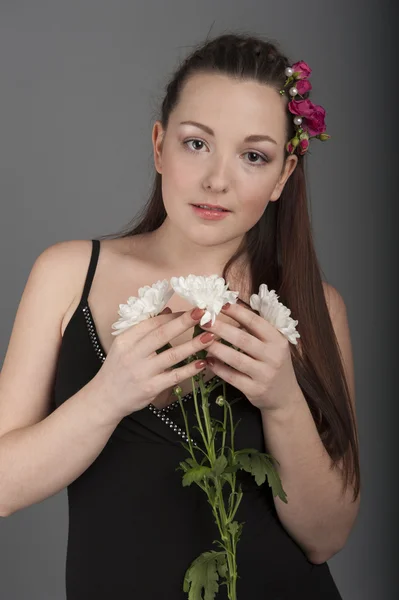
(74, 254)
(63, 259)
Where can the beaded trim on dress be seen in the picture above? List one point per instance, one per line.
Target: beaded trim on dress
(159, 412)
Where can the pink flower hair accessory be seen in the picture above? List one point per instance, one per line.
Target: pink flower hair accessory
(309, 118)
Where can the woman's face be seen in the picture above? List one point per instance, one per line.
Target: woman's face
(210, 161)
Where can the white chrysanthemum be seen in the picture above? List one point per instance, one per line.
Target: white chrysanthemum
(268, 306)
(209, 293)
(150, 302)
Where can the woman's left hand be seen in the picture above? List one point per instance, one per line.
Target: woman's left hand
(264, 370)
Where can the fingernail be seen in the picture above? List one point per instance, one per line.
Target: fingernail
(208, 324)
(200, 364)
(226, 306)
(207, 337)
(210, 361)
(197, 313)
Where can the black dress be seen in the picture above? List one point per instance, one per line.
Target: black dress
(134, 529)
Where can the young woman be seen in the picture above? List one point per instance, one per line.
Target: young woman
(83, 409)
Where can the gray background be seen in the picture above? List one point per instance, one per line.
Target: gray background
(81, 83)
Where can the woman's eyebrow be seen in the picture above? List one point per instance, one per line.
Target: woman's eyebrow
(249, 138)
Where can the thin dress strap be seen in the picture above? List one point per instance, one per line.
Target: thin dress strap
(91, 270)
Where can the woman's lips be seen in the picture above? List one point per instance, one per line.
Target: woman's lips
(210, 214)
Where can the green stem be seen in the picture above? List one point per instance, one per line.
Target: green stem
(198, 415)
(207, 419)
(232, 584)
(186, 425)
(232, 427)
(218, 507)
(215, 512)
(239, 497)
(224, 420)
(191, 445)
(221, 519)
(230, 546)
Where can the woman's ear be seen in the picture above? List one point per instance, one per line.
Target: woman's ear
(289, 167)
(157, 143)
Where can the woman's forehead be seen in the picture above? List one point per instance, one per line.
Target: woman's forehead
(219, 101)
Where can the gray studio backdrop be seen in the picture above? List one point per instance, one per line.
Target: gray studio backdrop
(80, 85)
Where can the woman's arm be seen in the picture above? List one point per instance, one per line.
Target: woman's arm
(317, 515)
(39, 460)
(41, 452)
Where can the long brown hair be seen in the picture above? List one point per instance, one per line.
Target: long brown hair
(280, 249)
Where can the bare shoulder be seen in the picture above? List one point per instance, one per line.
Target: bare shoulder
(68, 262)
(64, 254)
(75, 256)
(334, 300)
(62, 266)
(28, 370)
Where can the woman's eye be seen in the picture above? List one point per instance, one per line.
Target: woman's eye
(256, 155)
(253, 154)
(193, 140)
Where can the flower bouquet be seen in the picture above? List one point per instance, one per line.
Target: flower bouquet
(209, 467)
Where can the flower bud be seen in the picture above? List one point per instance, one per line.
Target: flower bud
(219, 401)
(323, 137)
(304, 145)
(295, 141)
(290, 148)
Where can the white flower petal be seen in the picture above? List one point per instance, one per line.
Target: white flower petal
(267, 305)
(150, 302)
(207, 292)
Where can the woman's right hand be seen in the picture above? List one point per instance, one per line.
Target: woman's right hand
(133, 374)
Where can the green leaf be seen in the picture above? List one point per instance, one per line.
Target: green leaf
(186, 447)
(232, 499)
(213, 387)
(195, 474)
(235, 426)
(184, 466)
(218, 421)
(261, 465)
(219, 543)
(231, 469)
(187, 464)
(215, 430)
(211, 495)
(227, 477)
(222, 565)
(203, 576)
(197, 427)
(235, 528)
(220, 465)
